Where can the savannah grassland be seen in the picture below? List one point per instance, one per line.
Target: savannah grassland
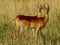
(9, 9)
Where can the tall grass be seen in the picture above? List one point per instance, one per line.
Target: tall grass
(9, 9)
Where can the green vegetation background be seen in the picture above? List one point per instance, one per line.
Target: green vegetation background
(9, 9)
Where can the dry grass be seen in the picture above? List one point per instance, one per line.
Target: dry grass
(11, 8)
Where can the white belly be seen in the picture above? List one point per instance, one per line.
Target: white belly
(21, 27)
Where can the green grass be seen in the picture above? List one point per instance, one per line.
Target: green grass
(9, 9)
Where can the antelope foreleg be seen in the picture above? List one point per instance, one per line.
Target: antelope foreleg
(36, 31)
(15, 32)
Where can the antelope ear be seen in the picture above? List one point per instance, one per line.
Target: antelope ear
(46, 5)
(39, 8)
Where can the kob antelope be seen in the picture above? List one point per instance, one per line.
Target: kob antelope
(31, 21)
